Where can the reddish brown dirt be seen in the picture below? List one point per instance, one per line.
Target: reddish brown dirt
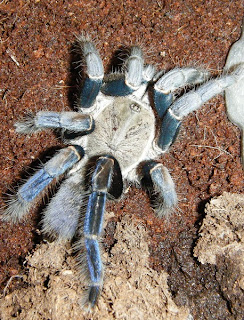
(36, 42)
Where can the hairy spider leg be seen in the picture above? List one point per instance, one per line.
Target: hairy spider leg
(163, 187)
(173, 80)
(71, 121)
(61, 217)
(119, 84)
(95, 73)
(101, 182)
(234, 96)
(190, 102)
(20, 203)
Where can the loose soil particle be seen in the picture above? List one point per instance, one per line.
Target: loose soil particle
(36, 73)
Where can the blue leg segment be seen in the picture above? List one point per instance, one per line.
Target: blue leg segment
(173, 80)
(20, 204)
(94, 260)
(135, 74)
(93, 295)
(169, 130)
(101, 183)
(30, 190)
(117, 88)
(95, 73)
(47, 120)
(162, 102)
(94, 214)
(163, 187)
(71, 121)
(64, 160)
(89, 92)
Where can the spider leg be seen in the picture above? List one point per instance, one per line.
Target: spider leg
(26, 195)
(190, 102)
(71, 121)
(163, 187)
(62, 214)
(95, 73)
(100, 183)
(119, 84)
(234, 95)
(173, 80)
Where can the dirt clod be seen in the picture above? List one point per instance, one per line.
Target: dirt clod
(221, 243)
(132, 290)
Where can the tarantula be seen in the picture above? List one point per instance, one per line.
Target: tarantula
(126, 120)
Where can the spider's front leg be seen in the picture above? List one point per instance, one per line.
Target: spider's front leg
(173, 80)
(101, 183)
(234, 95)
(157, 177)
(136, 74)
(94, 70)
(190, 102)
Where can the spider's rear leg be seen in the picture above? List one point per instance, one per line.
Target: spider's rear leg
(190, 102)
(173, 80)
(19, 204)
(119, 84)
(101, 183)
(71, 121)
(158, 178)
(61, 217)
(94, 71)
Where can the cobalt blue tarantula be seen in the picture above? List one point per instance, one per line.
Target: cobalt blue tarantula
(125, 122)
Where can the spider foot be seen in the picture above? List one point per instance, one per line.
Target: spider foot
(163, 188)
